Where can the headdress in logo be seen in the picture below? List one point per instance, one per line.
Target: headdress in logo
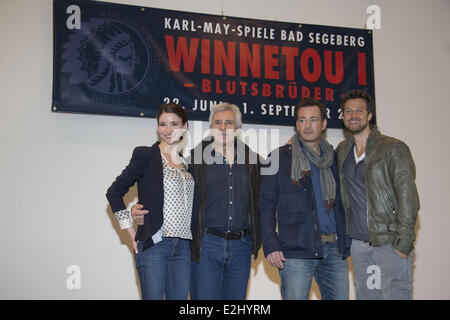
(110, 60)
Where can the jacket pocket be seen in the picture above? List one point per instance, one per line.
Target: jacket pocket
(389, 202)
(292, 231)
(292, 203)
(292, 197)
(381, 200)
(287, 185)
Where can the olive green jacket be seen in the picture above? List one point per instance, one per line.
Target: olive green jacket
(392, 198)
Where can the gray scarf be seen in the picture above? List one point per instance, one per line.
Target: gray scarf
(300, 167)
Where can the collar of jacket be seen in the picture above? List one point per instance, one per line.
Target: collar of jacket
(346, 147)
(374, 133)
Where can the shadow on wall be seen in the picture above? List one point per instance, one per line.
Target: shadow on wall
(274, 276)
(124, 238)
(415, 252)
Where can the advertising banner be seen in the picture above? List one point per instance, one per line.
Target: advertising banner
(127, 60)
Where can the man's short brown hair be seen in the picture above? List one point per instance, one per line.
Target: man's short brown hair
(358, 94)
(311, 102)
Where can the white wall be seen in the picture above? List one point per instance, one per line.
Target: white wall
(55, 168)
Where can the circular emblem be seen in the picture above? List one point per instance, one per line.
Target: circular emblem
(111, 59)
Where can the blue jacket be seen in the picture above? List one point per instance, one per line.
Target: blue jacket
(293, 208)
(146, 169)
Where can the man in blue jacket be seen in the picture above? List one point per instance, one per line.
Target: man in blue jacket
(303, 199)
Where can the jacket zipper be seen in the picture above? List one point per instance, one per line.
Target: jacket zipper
(315, 220)
(367, 167)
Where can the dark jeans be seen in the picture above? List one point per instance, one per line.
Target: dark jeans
(164, 269)
(223, 270)
(330, 273)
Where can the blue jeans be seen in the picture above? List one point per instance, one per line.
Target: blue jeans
(223, 270)
(381, 273)
(164, 269)
(330, 273)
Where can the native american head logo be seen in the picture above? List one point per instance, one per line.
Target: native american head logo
(109, 57)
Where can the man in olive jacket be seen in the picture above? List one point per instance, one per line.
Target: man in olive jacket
(379, 195)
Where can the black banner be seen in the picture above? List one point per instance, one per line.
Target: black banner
(127, 60)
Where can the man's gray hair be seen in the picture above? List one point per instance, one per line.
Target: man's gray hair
(226, 107)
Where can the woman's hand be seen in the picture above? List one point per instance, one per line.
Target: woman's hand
(137, 214)
(132, 234)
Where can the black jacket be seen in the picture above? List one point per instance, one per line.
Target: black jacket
(253, 166)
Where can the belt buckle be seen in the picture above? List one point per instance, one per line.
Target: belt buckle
(234, 235)
(327, 238)
(228, 235)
